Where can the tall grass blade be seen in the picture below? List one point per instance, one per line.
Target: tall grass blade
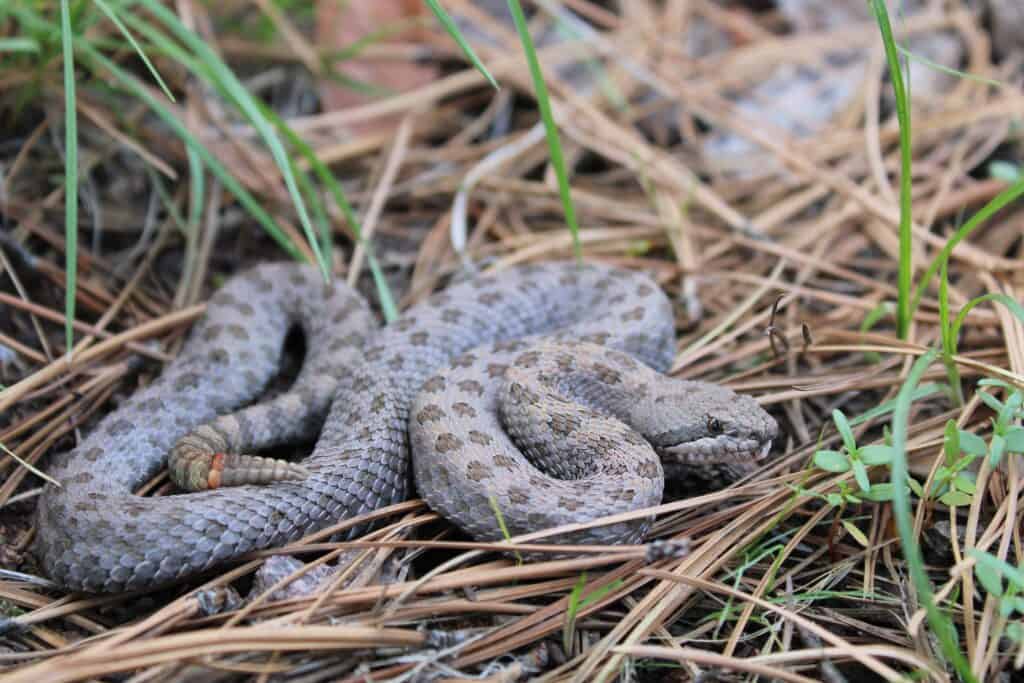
(941, 626)
(903, 307)
(544, 104)
(135, 46)
(70, 178)
(449, 26)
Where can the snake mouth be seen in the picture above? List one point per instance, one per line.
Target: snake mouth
(719, 449)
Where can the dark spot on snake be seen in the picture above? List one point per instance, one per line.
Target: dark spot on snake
(480, 438)
(508, 345)
(490, 298)
(477, 471)
(297, 277)
(93, 454)
(505, 462)
(405, 324)
(212, 332)
(569, 280)
(378, 403)
(81, 478)
(430, 413)
(570, 504)
(464, 409)
(238, 332)
(251, 378)
(596, 338)
(245, 308)
(396, 362)
(644, 290)
(118, 428)
(439, 299)
(464, 361)
(218, 356)
(447, 443)
(471, 386)
(496, 370)
(527, 360)
(374, 354)
(636, 314)
(617, 299)
(419, 338)
(435, 384)
(648, 470)
(564, 423)
(518, 496)
(450, 315)
(603, 283)
(606, 374)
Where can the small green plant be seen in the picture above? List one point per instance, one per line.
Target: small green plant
(856, 458)
(504, 527)
(954, 483)
(1006, 436)
(991, 571)
(577, 602)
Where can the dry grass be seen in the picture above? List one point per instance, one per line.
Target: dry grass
(775, 585)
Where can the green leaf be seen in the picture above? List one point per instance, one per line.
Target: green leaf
(857, 534)
(1015, 631)
(996, 450)
(965, 483)
(880, 493)
(990, 578)
(877, 454)
(831, 461)
(843, 426)
(955, 498)
(972, 444)
(921, 392)
(951, 441)
(19, 45)
(135, 46)
(860, 473)
(834, 499)
(912, 483)
(1014, 437)
(991, 401)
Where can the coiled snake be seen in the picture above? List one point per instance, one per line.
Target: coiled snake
(539, 335)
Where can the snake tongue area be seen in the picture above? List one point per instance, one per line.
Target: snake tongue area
(95, 534)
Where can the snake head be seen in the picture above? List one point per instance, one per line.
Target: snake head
(695, 423)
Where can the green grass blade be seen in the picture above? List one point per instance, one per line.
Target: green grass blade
(453, 31)
(235, 91)
(135, 46)
(947, 70)
(19, 45)
(70, 178)
(132, 85)
(940, 625)
(904, 310)
(999, 297)
(544, 104)
(387, 301)
(994, 205)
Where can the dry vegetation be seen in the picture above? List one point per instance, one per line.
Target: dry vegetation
(783, 256)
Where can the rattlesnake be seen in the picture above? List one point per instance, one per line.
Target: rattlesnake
(94, 534)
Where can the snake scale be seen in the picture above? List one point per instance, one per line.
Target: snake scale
(539, 336)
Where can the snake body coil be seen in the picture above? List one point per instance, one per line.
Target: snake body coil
(356, 388)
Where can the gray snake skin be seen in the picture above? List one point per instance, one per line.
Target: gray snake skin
(356, 389)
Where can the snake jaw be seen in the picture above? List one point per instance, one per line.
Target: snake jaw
(722, 449)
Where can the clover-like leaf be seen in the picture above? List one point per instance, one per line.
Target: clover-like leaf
(834, 499)
(1014, 439)
(990, 578)
(880, 493)
(965, 483)
(860, 473)
(996, 449)
(972, 444)
(831, 461)
(877, 454)
(991, 401)
(857, 534)
(955, 498)
(843, 426)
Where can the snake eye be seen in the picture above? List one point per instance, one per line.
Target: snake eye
(714, 425)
